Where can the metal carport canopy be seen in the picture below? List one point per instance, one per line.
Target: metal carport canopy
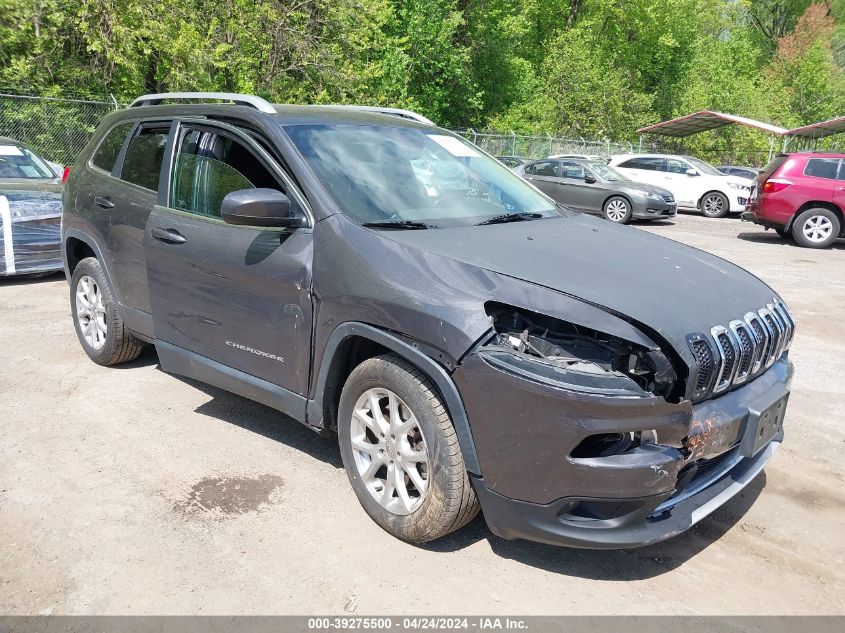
(820, 129)
(706, 120)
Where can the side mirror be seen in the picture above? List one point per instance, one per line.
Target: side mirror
(259, 207)
(692, 172)
(589, 179)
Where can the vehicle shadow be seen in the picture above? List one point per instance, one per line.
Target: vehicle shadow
(770, 237)
(615, 565)
(258, 418)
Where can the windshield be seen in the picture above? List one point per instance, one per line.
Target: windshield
(704, 168)
(607, 173)
(395, 174)
(19, 162)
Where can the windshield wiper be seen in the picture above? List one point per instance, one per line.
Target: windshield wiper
(511, 217)
(399, 224)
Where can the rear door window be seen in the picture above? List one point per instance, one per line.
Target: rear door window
(545, 168)
(109, 148)
(822, 168)
(674, 166)
(144, 155)
(572, 170)
(649, 164)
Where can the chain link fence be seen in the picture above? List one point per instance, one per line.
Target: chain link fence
(541, 146)
(56, 129)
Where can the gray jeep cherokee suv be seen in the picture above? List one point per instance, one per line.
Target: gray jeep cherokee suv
(583, 383)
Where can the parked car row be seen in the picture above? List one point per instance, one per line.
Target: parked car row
(801, 195)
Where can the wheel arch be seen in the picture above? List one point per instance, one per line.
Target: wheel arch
(708, 192)
(352, 343)
(618, 195)
(820, 204)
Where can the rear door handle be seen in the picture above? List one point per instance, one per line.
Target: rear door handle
(171, 236)
(104, 202)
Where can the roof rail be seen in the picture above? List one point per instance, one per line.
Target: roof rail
(405, 114)
(238, 99)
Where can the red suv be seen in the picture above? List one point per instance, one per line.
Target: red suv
(802, 195)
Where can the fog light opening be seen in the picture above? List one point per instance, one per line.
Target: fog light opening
(602, 445)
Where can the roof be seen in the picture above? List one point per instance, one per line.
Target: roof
(706, 120)
(820, 129)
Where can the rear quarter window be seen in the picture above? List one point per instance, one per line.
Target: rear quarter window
(109, 148)
(822, 168)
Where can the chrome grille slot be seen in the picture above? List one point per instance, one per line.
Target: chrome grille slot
(775, 334)
(761, 342)
(728, 353)
(746, 345)
(789, 324)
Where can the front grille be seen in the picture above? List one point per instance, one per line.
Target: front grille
(732, 355)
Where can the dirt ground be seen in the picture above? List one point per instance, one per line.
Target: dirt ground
(129, 491)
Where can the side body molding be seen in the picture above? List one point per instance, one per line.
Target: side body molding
(434, 371)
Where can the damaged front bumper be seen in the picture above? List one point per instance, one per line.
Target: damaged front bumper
(538, 483)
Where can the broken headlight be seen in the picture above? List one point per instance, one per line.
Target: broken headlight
(570, 356)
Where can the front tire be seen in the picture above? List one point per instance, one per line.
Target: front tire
(816, 228)
(401, 453)
(96, 318)
(617, 209)
(714, 205)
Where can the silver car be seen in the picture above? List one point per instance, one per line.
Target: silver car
(594, 187)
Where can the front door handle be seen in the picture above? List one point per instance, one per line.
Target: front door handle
(104, 202)
(171, 236)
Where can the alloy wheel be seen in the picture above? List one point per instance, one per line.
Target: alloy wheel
(90, 312)
(714, 205)
(817, 228)
(389, 451)
(616, 210)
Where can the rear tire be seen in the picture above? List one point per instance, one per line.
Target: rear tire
(617, 209)
(96, 318)
(401, 453)
(816, 228)
(714, 204)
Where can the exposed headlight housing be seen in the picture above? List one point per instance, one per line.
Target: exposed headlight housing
(569, 356)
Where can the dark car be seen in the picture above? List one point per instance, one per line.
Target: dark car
(743, 172)
(801, 196)
(30, 212)
(595, 187)
(512, 161)
(583, 383)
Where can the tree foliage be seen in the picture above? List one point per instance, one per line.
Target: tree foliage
(598, 68)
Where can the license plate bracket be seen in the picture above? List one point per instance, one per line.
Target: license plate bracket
(764, 423)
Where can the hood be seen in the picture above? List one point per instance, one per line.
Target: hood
(669, 287)
(633, 185)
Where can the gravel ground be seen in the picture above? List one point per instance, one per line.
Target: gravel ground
(128, 491)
